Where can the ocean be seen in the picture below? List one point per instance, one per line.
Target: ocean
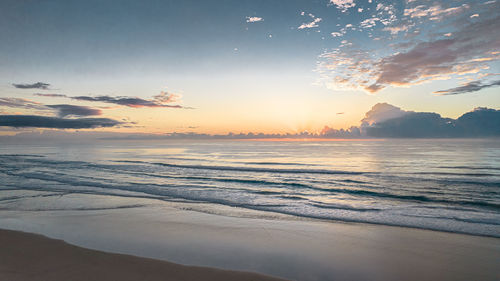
(444, 185)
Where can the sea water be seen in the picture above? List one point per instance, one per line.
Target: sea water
(444, 185)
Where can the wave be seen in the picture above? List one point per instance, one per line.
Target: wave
(22, 155)
(161, 189)
(456, 174)
(246, 169)
(470, 168)
(278, 163)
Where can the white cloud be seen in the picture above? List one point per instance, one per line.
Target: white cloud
(312, 24)
(254, 19)
(343, 5)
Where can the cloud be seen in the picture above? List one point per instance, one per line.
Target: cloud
(312, 24)
(160, 100)
(21, 103)
(254, 19)
(412, 125)
(50, 95)
(343, 5)
(435, 12)
(36, 121)
(466, 50)
(37, 85)
(74, 110)
(382, 112)
(481, 122)
(396, 29)
(61, 109)
(432, 42)
(470, 87)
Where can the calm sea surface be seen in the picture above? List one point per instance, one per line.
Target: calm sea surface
(448, 185)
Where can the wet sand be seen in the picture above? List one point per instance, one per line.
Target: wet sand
(275, 245)
(26, 256)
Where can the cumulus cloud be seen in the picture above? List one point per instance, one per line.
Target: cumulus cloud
(37, 85)
(382, 112)
(35, 121)
(470, 87)
(254, 19)
(392, 122)
(481, 122)
(412, 125)
(64, 110)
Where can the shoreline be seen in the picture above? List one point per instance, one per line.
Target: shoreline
(28, 256)
(290, 249)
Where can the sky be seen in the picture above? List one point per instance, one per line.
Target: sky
(215, 67)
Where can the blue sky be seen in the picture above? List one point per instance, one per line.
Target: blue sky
(272, 66)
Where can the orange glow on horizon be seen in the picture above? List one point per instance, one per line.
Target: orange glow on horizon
(309, 139)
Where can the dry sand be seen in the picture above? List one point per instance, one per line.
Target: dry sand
(26, 256)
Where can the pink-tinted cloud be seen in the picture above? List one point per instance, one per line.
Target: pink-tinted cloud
(470, 47)
(343, 5)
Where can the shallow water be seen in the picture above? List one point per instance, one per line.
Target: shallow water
(448, 185)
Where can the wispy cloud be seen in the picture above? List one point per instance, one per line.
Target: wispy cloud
(35, 121)
(37, 85)
(161, 100)
(436, 12)
(311, 24)
(50, 95)
(22, 103)
(470, 87)
(254, 19)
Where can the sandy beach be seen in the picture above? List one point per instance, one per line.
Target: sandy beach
(285, 247)
(26, 256)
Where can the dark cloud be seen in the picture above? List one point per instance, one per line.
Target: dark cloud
(74, 110)
(413, 125)
(37, 85)
(63, 110)
(481, 122)
(36, 121)
(470, 87)
(161, 100)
